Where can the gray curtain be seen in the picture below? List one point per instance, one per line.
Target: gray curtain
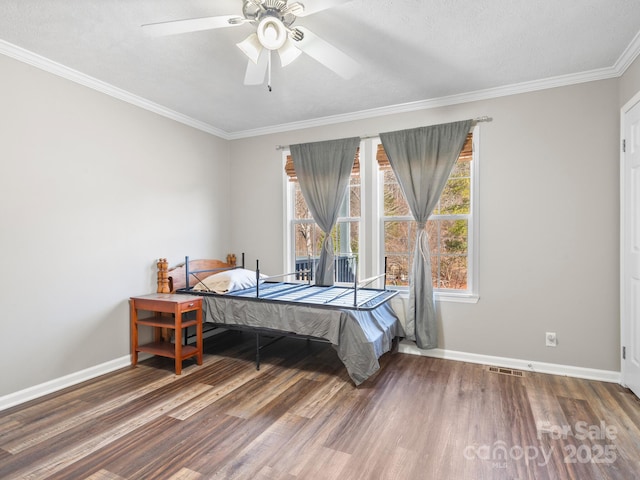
(323, 170)
(422, 159)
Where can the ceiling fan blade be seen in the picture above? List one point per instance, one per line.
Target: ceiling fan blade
(327, 54)
(256, 71)
(192, 25)
(313, 6)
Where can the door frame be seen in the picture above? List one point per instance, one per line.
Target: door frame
(625, 321)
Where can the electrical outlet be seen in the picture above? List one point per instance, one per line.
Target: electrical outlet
(550, 339)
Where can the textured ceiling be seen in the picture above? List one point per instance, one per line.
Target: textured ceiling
(408, 50)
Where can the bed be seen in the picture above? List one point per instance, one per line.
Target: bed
(358, 322)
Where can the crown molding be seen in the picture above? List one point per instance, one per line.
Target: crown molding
(628, 56)
(63, 71)
(486, 94)
(617, 70)
(624, 61)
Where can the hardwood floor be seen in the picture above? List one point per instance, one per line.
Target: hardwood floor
(300, 417)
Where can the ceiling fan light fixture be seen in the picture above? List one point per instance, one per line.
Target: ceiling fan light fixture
(237, 21)
(288, 53)
(296, 34)
(272, 33)
(295, 8)
(251, 47)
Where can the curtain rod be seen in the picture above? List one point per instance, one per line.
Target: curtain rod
(474, 122)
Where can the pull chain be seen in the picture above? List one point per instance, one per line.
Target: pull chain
(269, 70)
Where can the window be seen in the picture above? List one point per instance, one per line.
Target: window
(307, 237)
(448, 227)
(381, 229)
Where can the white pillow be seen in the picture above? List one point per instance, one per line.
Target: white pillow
(228, 281)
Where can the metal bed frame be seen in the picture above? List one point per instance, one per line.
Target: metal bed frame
(357, 285)
(280, 334)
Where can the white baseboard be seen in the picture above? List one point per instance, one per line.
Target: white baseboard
(405, 346)
(525, 365)
(54, 385)
(51, 386)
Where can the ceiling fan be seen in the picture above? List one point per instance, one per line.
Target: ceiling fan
(272, 20)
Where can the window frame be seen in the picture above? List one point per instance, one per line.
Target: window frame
(290, 222)
(371, 222)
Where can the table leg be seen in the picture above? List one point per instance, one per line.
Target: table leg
(177, 338)
(199, 334)
(133, 318)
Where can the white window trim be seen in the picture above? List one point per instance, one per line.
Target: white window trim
(287, 210)
(473, 296)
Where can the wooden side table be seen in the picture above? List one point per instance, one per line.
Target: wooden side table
(167, 303)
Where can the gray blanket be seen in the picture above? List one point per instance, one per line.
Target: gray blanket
(359, 336)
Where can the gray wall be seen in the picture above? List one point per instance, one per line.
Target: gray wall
(92, 191)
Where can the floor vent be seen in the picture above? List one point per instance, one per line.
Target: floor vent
(506, 371)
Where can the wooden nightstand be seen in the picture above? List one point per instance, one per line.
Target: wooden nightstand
(176, 304)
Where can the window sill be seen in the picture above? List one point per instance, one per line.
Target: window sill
(457, 297)
(447, 296)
